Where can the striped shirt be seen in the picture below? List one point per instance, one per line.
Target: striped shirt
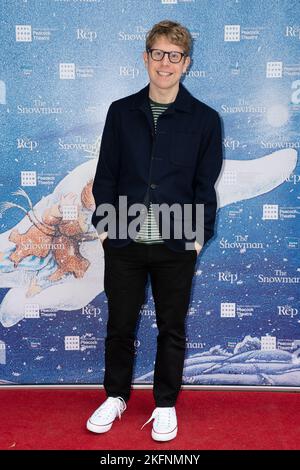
(149, 232)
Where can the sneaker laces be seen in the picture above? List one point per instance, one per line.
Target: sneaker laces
(163, 413)
(118, 402)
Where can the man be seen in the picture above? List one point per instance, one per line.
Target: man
(159, 146)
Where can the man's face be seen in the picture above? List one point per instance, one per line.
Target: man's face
(164, 74)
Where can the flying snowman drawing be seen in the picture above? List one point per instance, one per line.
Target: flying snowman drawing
(57, 262)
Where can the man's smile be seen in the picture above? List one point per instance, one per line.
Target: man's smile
(164, 74)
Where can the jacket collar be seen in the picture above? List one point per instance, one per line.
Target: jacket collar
(183, 100)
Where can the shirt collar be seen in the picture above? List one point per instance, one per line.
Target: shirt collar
(183, 100)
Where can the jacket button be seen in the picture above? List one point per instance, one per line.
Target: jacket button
(153, 186)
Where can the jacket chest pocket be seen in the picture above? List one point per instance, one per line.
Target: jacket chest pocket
(184, 148)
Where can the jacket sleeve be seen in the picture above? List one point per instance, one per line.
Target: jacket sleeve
(104, 187)
(208, 170)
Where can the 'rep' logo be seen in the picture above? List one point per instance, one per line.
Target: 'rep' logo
(26, 144)
(287, 311)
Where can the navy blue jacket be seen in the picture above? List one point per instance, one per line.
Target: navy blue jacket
(180, 163)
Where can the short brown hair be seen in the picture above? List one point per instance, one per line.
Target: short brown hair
(175, 33)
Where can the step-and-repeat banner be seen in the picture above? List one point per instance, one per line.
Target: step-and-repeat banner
(62, 63)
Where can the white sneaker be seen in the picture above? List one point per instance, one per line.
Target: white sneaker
(102, 419)
(165, 424)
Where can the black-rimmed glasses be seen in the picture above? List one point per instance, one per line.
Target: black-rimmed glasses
(174, 56)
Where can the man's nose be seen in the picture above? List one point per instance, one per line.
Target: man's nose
(165, 60)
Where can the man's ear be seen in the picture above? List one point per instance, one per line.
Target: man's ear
(186, 63)
(145, 58)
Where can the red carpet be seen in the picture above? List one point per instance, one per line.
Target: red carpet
(55, 419)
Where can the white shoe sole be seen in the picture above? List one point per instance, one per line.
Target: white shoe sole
(98, 429)
(164, 436)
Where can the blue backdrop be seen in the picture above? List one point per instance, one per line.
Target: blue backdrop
(62, 63)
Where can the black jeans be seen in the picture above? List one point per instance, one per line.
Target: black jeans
(125, 278)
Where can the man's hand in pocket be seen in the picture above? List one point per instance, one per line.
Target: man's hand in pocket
(198, 247)
(102, 236)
